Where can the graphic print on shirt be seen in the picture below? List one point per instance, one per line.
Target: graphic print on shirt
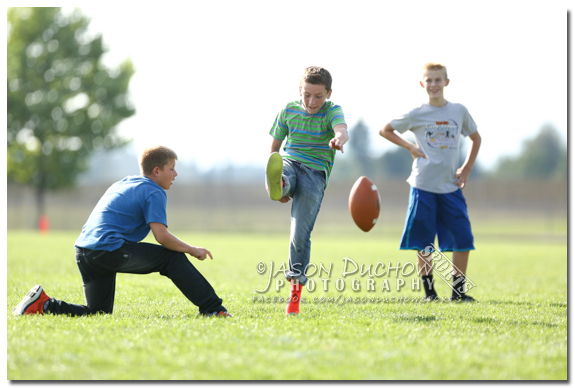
(442, 135)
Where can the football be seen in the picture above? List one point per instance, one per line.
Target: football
(364, 203)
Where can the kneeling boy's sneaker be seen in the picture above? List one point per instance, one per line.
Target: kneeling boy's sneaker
(219, 314)
(33, 302)
(274, 170)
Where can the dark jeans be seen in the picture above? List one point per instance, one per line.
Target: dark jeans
(99, 269)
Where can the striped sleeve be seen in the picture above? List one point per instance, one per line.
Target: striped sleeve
(335, 116)
(280, 130)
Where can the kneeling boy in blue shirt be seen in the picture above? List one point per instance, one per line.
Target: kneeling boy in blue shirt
(110, 243)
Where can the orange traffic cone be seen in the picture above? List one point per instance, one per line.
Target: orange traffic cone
(43, 224)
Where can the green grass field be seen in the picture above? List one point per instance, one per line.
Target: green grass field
(517, 330)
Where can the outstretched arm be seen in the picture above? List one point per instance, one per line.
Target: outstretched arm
(169, 241)
(463, 172)
(389, 133)
(341, 137)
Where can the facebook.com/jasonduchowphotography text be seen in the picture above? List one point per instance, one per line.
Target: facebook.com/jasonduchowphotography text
(341, 282)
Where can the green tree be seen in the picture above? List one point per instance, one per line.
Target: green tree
(359, 148)
(395, 163)
(478, 170)
(62, 102)
(543, 157)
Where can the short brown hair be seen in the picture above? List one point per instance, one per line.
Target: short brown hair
(153, 157)
(435, 66)
(317, 76)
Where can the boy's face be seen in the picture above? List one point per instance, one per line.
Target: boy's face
(313, 96)
(434, 81)
(164, 177)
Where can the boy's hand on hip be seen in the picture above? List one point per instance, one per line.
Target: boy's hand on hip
(461, 178)
(416, 153)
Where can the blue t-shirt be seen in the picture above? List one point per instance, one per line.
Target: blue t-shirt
(124, 214)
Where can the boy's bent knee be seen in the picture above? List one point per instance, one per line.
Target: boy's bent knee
(175, 263)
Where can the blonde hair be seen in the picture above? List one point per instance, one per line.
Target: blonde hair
(153, 157)
(435, 66)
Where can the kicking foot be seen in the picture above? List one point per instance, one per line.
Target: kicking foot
(274, 170)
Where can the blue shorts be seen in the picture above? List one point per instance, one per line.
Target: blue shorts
(441, 215)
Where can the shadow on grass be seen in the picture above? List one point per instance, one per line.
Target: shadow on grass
(414, 318)
(511, 302)
(529, 304)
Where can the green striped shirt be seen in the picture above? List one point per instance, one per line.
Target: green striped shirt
(308, 135)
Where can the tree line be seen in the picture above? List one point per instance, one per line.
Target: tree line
(542, 157)
(63, 106)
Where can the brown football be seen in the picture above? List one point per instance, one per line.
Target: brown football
(364, 203)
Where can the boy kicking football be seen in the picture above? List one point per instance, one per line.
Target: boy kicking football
(110, 243)
(436, 202)
(313, 129)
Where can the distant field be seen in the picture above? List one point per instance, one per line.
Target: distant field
(346, 331)
(247, 209)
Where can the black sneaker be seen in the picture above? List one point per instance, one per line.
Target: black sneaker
(462, 299)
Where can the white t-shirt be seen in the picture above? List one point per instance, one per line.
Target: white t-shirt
(437, 132)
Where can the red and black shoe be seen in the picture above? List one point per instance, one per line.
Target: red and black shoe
(33, 302)
(219, 314)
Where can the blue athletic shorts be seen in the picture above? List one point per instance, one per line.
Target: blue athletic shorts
(441, 215)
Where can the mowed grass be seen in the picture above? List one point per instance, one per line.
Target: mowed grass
(517, 330)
